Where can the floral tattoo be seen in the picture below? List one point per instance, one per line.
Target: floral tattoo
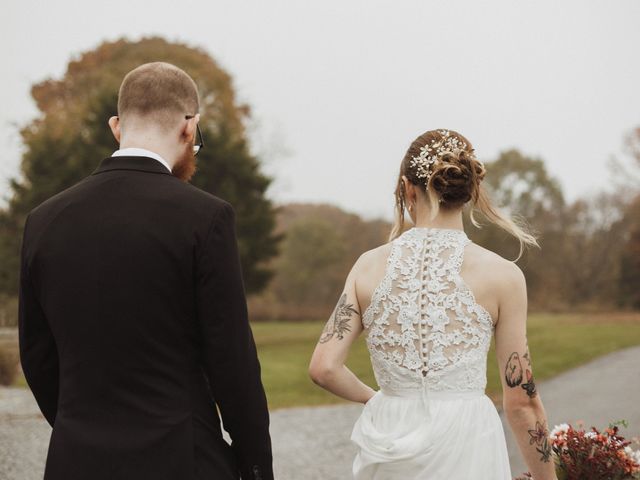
(338, 324)
(540, 436)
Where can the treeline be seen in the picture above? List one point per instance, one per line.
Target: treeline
(589, 257)
(320, 244)
(295, 258)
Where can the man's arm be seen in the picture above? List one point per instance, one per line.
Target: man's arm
(38, 352)
(229, 352)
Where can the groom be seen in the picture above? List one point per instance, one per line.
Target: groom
(133, 320)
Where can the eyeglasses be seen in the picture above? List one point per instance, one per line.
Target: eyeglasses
(200, 143)
(198, 146)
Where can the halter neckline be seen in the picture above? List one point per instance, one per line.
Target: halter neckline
(455, 231)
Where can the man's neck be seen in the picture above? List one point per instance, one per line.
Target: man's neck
(146, 144)
(138, 151)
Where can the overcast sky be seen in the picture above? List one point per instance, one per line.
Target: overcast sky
(340, 88)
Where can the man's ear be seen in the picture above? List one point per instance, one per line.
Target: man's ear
(114, 124)
(189, 130)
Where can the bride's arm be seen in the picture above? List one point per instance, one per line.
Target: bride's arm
(521, 401)
(327, 367)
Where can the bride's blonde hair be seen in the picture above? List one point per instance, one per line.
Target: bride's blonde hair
(444, 164)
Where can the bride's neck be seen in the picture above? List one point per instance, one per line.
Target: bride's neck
(445, 219)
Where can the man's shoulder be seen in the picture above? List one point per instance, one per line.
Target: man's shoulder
(46, 207)
(201, 204)
(200, 196)
(174, 190)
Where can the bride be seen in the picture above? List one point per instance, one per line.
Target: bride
(428, 303)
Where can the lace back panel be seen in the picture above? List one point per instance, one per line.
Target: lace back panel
(423, 326)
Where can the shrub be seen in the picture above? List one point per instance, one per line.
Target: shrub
(8, 311)
(9, 360)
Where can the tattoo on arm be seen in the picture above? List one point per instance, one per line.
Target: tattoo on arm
(530, 385)
(526, 356)
(514, 373)
(540, 436)
(513, 370)
(338, 324)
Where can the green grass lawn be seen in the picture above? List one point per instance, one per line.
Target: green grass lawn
(557, 342)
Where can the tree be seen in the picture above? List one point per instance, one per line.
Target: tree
(321, 245)
(310, 271)
(589, 250)
(629, 281)
(522, 187)
(70, 136)
(626, 171)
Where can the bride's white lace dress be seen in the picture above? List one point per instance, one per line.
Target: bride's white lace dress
(428, 340)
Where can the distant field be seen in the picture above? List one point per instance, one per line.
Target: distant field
(557, 342)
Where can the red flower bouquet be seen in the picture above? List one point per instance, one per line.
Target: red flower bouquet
(592, 455)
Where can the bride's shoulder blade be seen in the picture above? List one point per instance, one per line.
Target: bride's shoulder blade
(369, 271)
(490, 276)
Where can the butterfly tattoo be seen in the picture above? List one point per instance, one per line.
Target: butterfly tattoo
(530, 385)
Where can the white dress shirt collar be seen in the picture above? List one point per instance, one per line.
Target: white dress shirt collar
(140, 152)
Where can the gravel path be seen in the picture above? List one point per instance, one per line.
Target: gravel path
(313, 443)
(24, 436)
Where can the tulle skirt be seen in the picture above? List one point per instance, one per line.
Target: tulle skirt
(431, 435)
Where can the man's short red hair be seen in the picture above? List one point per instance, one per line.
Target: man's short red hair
(158, 91)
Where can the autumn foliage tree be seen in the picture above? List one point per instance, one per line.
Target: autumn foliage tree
(589, 256)
(70, 136)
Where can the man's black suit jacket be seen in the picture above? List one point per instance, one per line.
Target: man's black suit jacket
(133, 327)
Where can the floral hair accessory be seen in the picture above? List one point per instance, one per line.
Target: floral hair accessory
(429, 154)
